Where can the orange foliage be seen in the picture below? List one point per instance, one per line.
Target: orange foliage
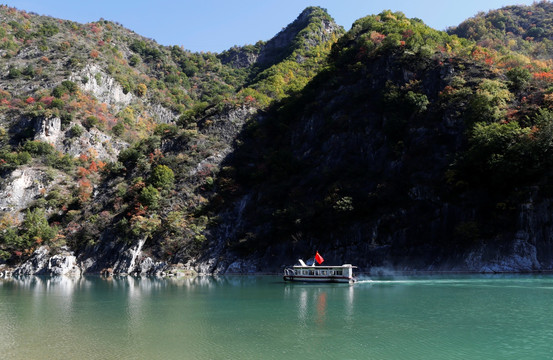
(82, 172)
(93, 167)
(94, 54)
(547, 76)
(84, 190)
(377, 37)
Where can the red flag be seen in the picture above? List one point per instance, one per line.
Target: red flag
(319, 258)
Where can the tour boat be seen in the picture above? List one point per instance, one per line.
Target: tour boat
(312, 273)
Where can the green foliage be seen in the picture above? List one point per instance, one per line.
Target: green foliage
(57, 104)
(13, 72)
(130, 155)
(35, 226)
(47, 30)
(150, 197)
(162, 177)
(518, 77)
(150, 52)
(76, 131)
(527, 30)
(391, 31)
(502, 155)
(11, 160)
(489, 102)
(38, 148)
(134, 60)
(417, 102)
(118, 129)
(90, 122)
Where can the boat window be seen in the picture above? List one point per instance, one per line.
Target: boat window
(338, 272)
(323, 272)
(311, 272)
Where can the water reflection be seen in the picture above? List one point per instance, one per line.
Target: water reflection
(316, 302)
(321, 308)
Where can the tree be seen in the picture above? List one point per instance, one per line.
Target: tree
(36, 228)
(141, 90)
(162, 177)
(149, 196)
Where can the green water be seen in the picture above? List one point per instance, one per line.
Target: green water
(261, 317)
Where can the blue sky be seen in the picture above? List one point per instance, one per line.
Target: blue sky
(216, 25)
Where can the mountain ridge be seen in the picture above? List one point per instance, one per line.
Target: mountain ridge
(392, 145)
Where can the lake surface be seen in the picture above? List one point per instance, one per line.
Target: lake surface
(261, 317)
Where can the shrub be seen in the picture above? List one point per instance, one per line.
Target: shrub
(118, 129)
(57, 103)
(90, 122)
(162, 177)
(76, 131)
(36, 228)
(38, 148)
(519, 77)
(134, 60)
(14, 73)
(141, 90)
(150, 197)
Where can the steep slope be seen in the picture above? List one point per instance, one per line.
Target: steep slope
(527, 30)
(287, 62)
(390, 145)
(413, 150)
(112, 153)
(74, 96)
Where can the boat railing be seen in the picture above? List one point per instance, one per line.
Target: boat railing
(288, 272)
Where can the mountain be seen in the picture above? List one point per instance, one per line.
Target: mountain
(527, 30)
(93, 114)
(412, 150)
(391, 145)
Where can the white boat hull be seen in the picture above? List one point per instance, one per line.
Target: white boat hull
(328, 274)
(319, 279)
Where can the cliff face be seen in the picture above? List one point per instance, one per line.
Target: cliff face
(92, 111)
(363, 167)
(391, 146)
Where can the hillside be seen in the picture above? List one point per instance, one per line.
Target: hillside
(412, 150)
(110, 139)
(391, 145)
(527, 30)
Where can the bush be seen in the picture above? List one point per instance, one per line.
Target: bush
(150, 197)
(489, 102)
(90, 122)
(118, 129)
(57, 103)
(14, 73)
(38, 148)
(129, 156)
(141, 90)
(76, 131)
(134, 60)
(519, 77)
(162, 177)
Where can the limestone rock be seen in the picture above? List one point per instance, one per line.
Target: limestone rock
(23, 186)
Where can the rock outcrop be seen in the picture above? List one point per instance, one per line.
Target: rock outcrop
(43, 263)
(21, 188)
(102, 86)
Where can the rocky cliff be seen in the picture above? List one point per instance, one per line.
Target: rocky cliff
(391, 146)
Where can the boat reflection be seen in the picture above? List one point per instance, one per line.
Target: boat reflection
(316, 303)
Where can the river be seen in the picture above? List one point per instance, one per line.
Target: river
(261, 317)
